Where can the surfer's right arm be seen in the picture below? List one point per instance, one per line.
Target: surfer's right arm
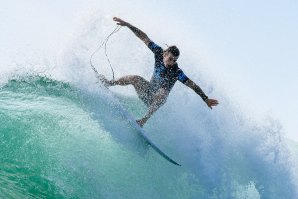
(140, 34)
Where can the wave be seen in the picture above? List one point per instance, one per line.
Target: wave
(61, 141)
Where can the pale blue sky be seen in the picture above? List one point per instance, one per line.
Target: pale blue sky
(257, 42)
(250, 47)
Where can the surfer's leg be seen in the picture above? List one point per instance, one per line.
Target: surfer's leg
(139, 83)
(158, 99)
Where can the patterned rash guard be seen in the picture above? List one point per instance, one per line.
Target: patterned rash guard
(164, 77)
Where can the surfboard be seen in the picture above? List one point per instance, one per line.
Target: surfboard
(141, 131)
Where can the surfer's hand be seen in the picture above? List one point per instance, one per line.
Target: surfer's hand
(211, 102)
(120, 22)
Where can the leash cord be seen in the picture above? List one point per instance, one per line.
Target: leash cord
(101, 45)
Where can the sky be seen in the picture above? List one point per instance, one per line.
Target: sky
(247, 48)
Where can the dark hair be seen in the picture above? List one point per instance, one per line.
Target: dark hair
(174, 50)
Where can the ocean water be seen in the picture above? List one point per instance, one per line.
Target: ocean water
(63, 136)
(58, 141)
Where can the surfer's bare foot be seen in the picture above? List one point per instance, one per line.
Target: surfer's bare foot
(140, 122)
(104, 80)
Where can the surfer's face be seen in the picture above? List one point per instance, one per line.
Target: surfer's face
(169, 59)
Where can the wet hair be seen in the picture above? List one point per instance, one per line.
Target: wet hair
(174, 50)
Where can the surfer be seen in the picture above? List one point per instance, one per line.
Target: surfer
(154, 93)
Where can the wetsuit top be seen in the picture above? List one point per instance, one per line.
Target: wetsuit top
(164, 77)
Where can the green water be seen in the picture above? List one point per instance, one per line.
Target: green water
(59, 141)
(52, 147)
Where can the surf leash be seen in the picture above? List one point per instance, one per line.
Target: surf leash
(106, 54)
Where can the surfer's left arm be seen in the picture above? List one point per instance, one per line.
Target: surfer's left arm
(199, 91)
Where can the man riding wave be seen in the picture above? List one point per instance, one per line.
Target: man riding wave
(166, 72)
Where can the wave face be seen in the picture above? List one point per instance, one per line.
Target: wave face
(63, 136)
(58, 141)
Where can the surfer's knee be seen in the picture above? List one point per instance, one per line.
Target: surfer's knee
(136, 78)
(159, 99)
(126, 80)
(138, 82)
(130, 79)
